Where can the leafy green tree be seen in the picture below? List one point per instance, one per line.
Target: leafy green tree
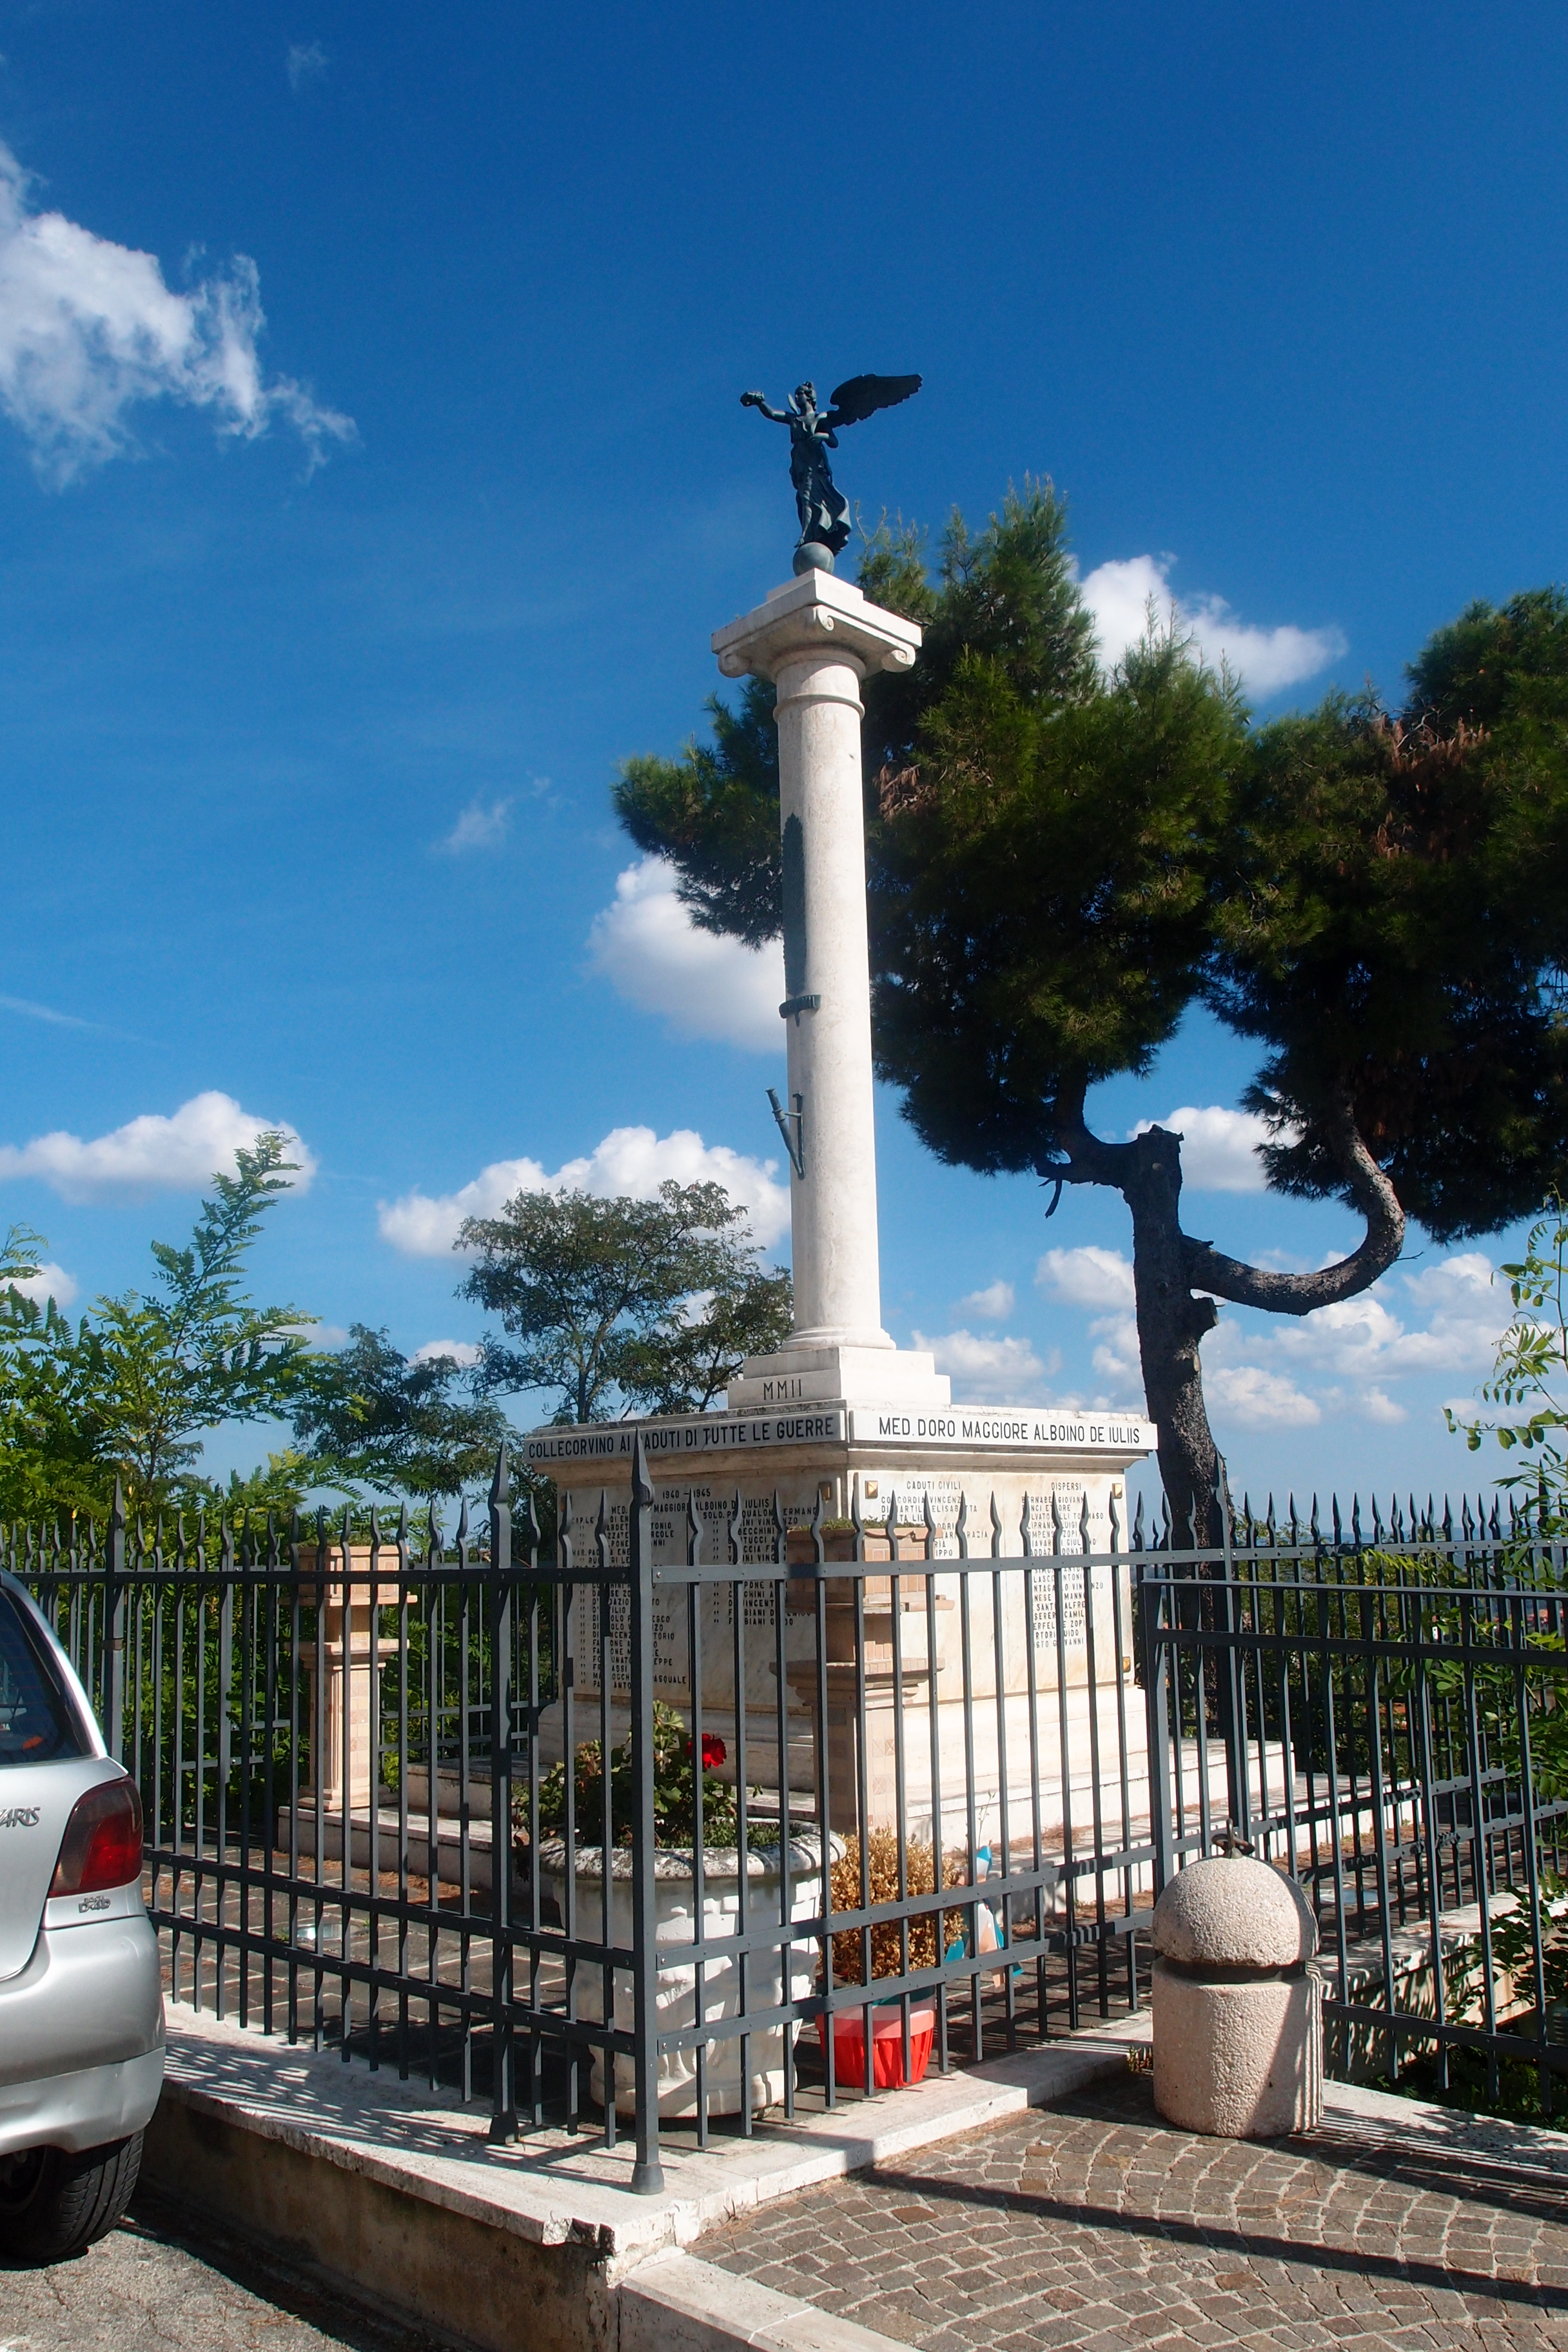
(47, 1463)
(368, 1416)
(1527, 1395)
(685, 1363)
(621, 1302)
(276, 1489)
(1062, 864)
(131, 1391)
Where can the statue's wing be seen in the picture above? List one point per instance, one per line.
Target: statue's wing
(864, 394)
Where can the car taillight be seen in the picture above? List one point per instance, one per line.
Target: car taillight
(103, 1844)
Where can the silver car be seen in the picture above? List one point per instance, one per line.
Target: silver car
(82, 2005)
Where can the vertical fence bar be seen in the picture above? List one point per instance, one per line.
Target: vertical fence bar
(1231, 1677)
(647, 2173)
(503, 2089)
(1153, 1587)
(111, 1673)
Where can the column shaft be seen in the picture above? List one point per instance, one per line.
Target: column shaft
(833, 1206)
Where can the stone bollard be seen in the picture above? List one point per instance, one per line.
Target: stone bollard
(1238, 2045)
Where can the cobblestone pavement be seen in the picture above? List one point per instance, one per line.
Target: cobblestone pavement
(1096, 2226)
(153, 2286)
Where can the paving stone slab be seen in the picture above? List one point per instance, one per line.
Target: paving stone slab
(1396, 2225)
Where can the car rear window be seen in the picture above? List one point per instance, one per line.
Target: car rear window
(37, 1724)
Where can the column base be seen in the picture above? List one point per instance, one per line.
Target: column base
(836, 1371)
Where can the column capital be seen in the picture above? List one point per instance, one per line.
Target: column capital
(816, 613)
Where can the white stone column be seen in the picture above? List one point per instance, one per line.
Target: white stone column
(817, 639)
(833, 1205)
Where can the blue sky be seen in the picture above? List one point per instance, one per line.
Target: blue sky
(372, 476)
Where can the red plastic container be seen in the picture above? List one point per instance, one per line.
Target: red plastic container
(887, 2044)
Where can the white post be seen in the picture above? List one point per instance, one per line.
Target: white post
(817, 639)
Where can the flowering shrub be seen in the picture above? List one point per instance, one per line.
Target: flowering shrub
(675, 1780)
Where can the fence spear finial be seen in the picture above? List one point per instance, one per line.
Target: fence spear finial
(642, 1484)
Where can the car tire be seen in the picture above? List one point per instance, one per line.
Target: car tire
(53, 2203)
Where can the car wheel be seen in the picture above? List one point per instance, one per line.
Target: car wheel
(53, 2203)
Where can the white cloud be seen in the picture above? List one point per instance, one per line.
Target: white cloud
(482, 825)
(1367, 1338)
(630, 1161)
(461, 1352)
(1256, 1399)
(1347, 1360)
(305, 63)
(652, 953)
(151, 1154)
(1116, 1356)
(89, 329)
(1274, 1371)
(1267, 660)
(25, 1004)
(986, 1371)
(50, 1281)
(1219, 1147)
(991, 1303)
(1087, 1276)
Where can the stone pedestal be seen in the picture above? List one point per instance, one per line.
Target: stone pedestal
(350, 1655)
(738, 1478)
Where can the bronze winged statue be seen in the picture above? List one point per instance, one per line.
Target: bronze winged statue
(824, 510)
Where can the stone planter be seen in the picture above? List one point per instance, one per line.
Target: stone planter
(676, 1999)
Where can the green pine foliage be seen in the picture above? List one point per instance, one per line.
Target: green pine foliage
(1041, 893)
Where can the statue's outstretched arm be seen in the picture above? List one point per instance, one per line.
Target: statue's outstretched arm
(755, 400)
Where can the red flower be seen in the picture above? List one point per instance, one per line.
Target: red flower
(713, 1753)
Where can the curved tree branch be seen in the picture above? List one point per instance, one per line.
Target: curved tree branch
(1086, 1157)
(1298, 1294)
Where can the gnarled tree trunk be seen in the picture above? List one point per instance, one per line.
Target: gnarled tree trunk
(1176, 1279)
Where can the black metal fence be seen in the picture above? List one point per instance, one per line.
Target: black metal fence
(874, 1789)
(1393, 1704)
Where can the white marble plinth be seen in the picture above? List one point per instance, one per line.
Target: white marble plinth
(734, 1480)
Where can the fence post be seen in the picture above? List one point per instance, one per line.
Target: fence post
(111, 1670)
(1153, 1584)
(503, 2086)
(647, 2174)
